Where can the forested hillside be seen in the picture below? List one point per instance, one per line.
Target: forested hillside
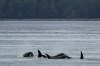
(49, 9)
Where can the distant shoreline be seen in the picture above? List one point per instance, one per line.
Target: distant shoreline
(77, 19)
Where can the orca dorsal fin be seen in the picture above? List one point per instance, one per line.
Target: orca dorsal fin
(48, 56)
(39, 54)
(81, 57)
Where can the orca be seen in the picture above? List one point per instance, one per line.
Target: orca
(81, 57)
(40, 55)
(28, 54)
(58, 56)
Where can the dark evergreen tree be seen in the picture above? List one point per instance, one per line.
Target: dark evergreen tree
(20, 9)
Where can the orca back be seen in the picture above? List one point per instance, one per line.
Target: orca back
(48, 56)
(28, 54)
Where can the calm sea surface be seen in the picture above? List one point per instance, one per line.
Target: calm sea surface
(52, 37)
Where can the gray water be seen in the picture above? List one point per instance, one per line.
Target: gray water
(52, 37)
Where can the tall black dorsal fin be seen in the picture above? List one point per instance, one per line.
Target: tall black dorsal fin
(39, 54)
(48, 56)
(81, 57)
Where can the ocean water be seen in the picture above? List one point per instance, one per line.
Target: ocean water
(52, 37)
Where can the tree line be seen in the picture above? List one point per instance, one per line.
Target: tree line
(20, 9)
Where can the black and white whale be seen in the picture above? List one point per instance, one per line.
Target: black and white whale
(41, 55)
(58, 56)
(81, 57)
(28, 54)
(62, 56)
